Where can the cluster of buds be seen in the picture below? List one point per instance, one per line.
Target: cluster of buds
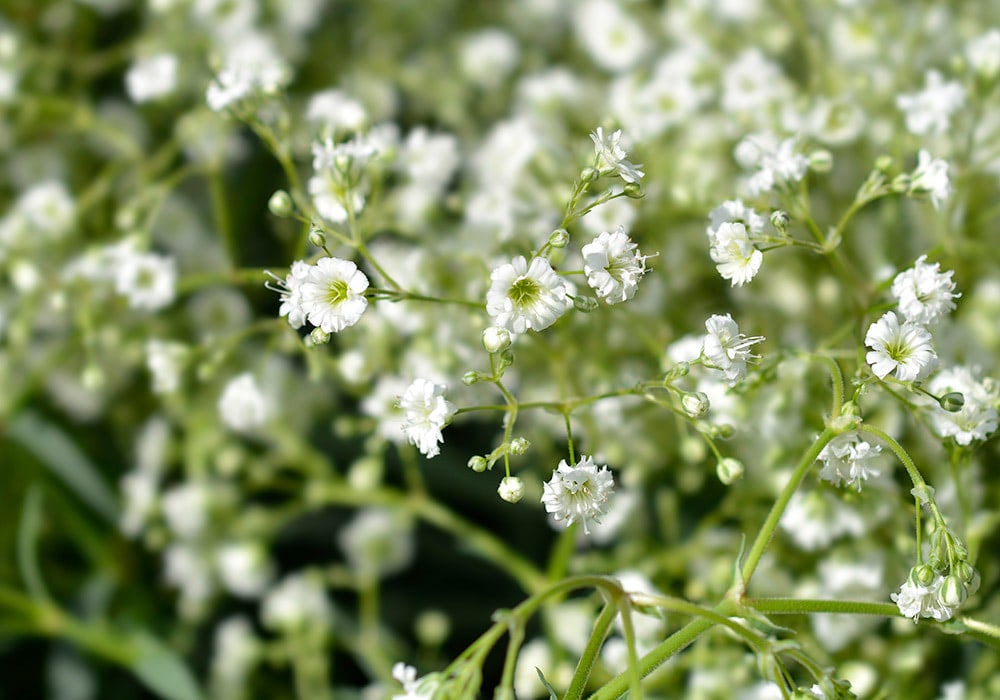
(938, 587)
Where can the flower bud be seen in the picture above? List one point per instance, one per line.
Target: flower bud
(952, 592)
(780, 220)
(496, 339)
(518, 446)
(319, 336)
(725, 431)
(589, 174)
(729, 470)
(506, 358)
(922, 575)
(511, 489)
(821, 161)
(696, 404)
(633, 190)
(883, 163)
(432, 627)
(559, 238)
(317, 238)
(280, 204)
(584, 304)
(471, 377)
(952, 402)
(477, 464)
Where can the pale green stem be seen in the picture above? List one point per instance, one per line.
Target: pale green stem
(602, 626)
(634, 676)
(220, 212)
(802, 606)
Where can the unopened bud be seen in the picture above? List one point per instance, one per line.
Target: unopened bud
(633, 190)
(319, 336)
(478, 463)
(511, 489)
(952, 402)
(584, 304)
(922, 575)
(496, 339)
(280, 204)
(518, 446)
(729, 470)
(506, 358)
(317, 238)
(883, 163)
(559, 238)
(432, 627)
(780, 220)
(589, 174)
(952, 592)
(696, 404)
(471, 377)
(821, 161)
(725, 431)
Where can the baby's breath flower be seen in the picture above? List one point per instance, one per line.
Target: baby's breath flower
(298, 601)
(580, 492)
(147, 280)
(924, 294)
(413, 688)
(916, 600)
(613, 266)
(977, 417)
(290, 290)
(727, 349)
(332, 294)
(612, 157)
(251, 67)
(242, 405)
(152, 77)
(930, 179)
(776, 163)
(426, 413)
(901, 348)
(165, 361)
(523, 297)
(849, 460)
(736, 257)
(511, 489)
(929, 111)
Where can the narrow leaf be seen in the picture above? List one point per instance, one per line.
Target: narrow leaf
(162, 670)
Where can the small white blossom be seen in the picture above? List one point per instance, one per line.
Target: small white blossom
(904, 349)
(511, 489)
(165, 362)
(983, 54)
(734, 211)
(413, 688)
(244, 569)
(612, 156)
(751, 82)
(916, 601)
(335, 110)
(147, 280)
(734, 254)
(332, 294)
(186, 509)
(930, 179)
(523, 297)
(242, 405)
(297, 601)
(612, 38)
(977, 419)
(578, 492)
(426, 413)
(152, 77)
(290, 290)
(47, 208)
(614, 266)
(924, 294)
(727, 349)
(251, 67)
(929, 111)
(776, 163)
(848, 460)
(236, 650)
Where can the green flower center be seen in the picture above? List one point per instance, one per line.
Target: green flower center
(524, 292)
(336, 292)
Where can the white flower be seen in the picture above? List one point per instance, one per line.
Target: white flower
(332, 294)
(147, 280)
(727, 349)
(924, 294)
(488, 56)
(983, 54)
(523, 297)
(916, 601)
(242, 406)
(930, 178)
(612, 38)
(579, 492)
(904, 349)
(47, 208)
(235, 653)
(777, 163)
(152, 77)
(929, 111)
(252, 67)
(165, 362)
(849, 460)
(331, 199)
(290, 290)
(426, 412)
(977, 418)
(297, 601)
(613, 266)
(413, 688)
(751, 82)
(511, 489)
(734, 211)
(186, 509)
(735, 256)
(612, 156)
(244, 569)
(336, 110)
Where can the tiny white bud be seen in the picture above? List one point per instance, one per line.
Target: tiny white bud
(559, 238)
(729, 470)
(511, 489)
(518, 446)
(317, 238)
(280, 204)
(319, 336)
(478, 464)
(496, 339)
(696, 404)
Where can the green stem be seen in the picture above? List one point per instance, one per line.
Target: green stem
(634, 676)
(918, 481)
(801, 606)
(583, 668)
(220, 212)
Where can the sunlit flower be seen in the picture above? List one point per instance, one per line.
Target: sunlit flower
(523, 297)
(849, 460)
(727, 349)
(332, 294)
(242, 405)
(924, 294)
(612, 156)
(578, 493)
(614, 266)
(904, 349)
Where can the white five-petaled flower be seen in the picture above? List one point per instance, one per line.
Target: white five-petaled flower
(734, 210)
(331, 294)
(727, 349)
(613, 265)
(578, 492)
(736, 257)
(426, 412)
(977, 418)
(523, 297)
(611, 155)
(849, 460)
(924, 294)
(915, 600)
(775, 162)
(929, 111)
(901, 348)
(930, 179)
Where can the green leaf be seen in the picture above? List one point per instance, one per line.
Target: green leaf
(162, 670)
(54, 449)
(548, 686)
(27, 544)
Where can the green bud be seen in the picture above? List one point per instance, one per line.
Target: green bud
(431, 628)
(780, 220)
(900, 183)
(280, 204)
(506, 358)
(883, 163)
(696, 404)
(729, 470)
(965, 571)
(511, 489)
(952, 402)
(518, 446)
(633, 190)
(821, 161)
(496, 339)
(952, 592)
(589, 174)
(584, 304)
(725, 431)
(477, 464)
(317, 238)
(559, 238)
(922, 575)
(319, 336)
(471, 377)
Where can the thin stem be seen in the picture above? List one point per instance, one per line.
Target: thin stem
(918, 481)
(802, 606)
(635, 677)
(602, 626)
(220, 212)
